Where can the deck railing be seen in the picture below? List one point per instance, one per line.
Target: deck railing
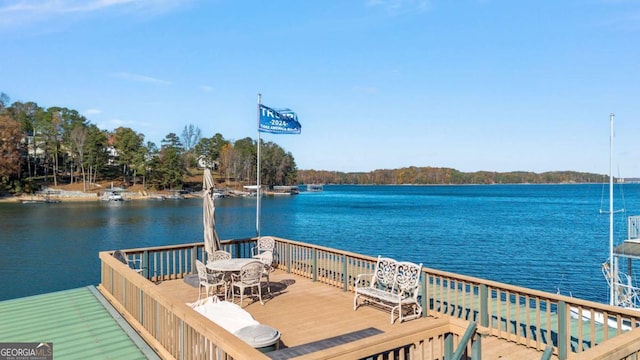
(175, 331)
(529, 317)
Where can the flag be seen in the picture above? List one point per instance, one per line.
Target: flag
(283, 121)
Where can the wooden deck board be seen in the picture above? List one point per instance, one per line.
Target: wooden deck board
(305, 312)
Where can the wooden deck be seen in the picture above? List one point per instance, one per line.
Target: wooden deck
(307, 312)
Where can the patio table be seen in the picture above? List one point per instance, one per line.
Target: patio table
(229, 265)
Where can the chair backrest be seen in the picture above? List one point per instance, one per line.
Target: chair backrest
(267, 258)
(251, 273)
(266, 243)
(202, 271)
(220, 255)
(384, 274)
(408, 278)
(121, 256)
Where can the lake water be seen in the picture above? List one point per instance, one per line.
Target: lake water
(538, 236)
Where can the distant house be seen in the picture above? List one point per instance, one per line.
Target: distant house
(112, 153)
(35, 146)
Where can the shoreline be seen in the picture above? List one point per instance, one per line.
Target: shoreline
(71, 198)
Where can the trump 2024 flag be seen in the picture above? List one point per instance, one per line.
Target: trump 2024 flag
(282, 121)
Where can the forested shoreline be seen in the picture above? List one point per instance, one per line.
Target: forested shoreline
(57, 146)
(445, 176)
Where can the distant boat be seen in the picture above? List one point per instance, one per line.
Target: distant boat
(46, 200)
(175, 195)
(284, 190)
(624, 291)
(219, 193)
(112, 195)
(40, 201)
(251, 190)
(315, 187)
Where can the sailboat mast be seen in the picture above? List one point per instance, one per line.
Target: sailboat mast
(614, 272)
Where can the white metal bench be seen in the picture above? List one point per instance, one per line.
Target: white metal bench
(393, 284)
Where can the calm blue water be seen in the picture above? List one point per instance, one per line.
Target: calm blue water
(539, 236)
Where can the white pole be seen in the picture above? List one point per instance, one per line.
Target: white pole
(614, 271)
(258, 173)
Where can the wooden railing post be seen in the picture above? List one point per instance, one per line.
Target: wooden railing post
(181, 346)
(111, 283)
(237, 251)
(562, 330)
(145, 264)
(288, 258)
(314, 264)
(158, 322)
(423, 294)
(194, 257)
(484, 305)
(141, 305)
(345, 276)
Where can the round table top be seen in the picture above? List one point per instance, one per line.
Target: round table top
(234, 264)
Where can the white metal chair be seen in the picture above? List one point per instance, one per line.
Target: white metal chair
(267, 259)
(248, 278)
(135, 264)
(219, 255)
(209, 280)
(265, 243)
(407, 281)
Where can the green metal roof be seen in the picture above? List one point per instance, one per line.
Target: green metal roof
(80, 323)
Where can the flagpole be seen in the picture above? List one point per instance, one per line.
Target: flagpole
(258, 173)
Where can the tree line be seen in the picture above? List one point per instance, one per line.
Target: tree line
(437, 176)
(58, 145)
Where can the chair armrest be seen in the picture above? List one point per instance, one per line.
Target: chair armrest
(363, 277)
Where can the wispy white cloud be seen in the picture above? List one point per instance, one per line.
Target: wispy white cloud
(116, 123)
(399, 7)
(139, 78)
(92, 112)
(60, 6)
(25, 12)
(206, 88)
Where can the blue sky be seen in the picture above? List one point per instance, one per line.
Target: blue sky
(495, 85)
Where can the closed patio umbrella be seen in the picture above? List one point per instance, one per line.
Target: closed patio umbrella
(211, 240)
